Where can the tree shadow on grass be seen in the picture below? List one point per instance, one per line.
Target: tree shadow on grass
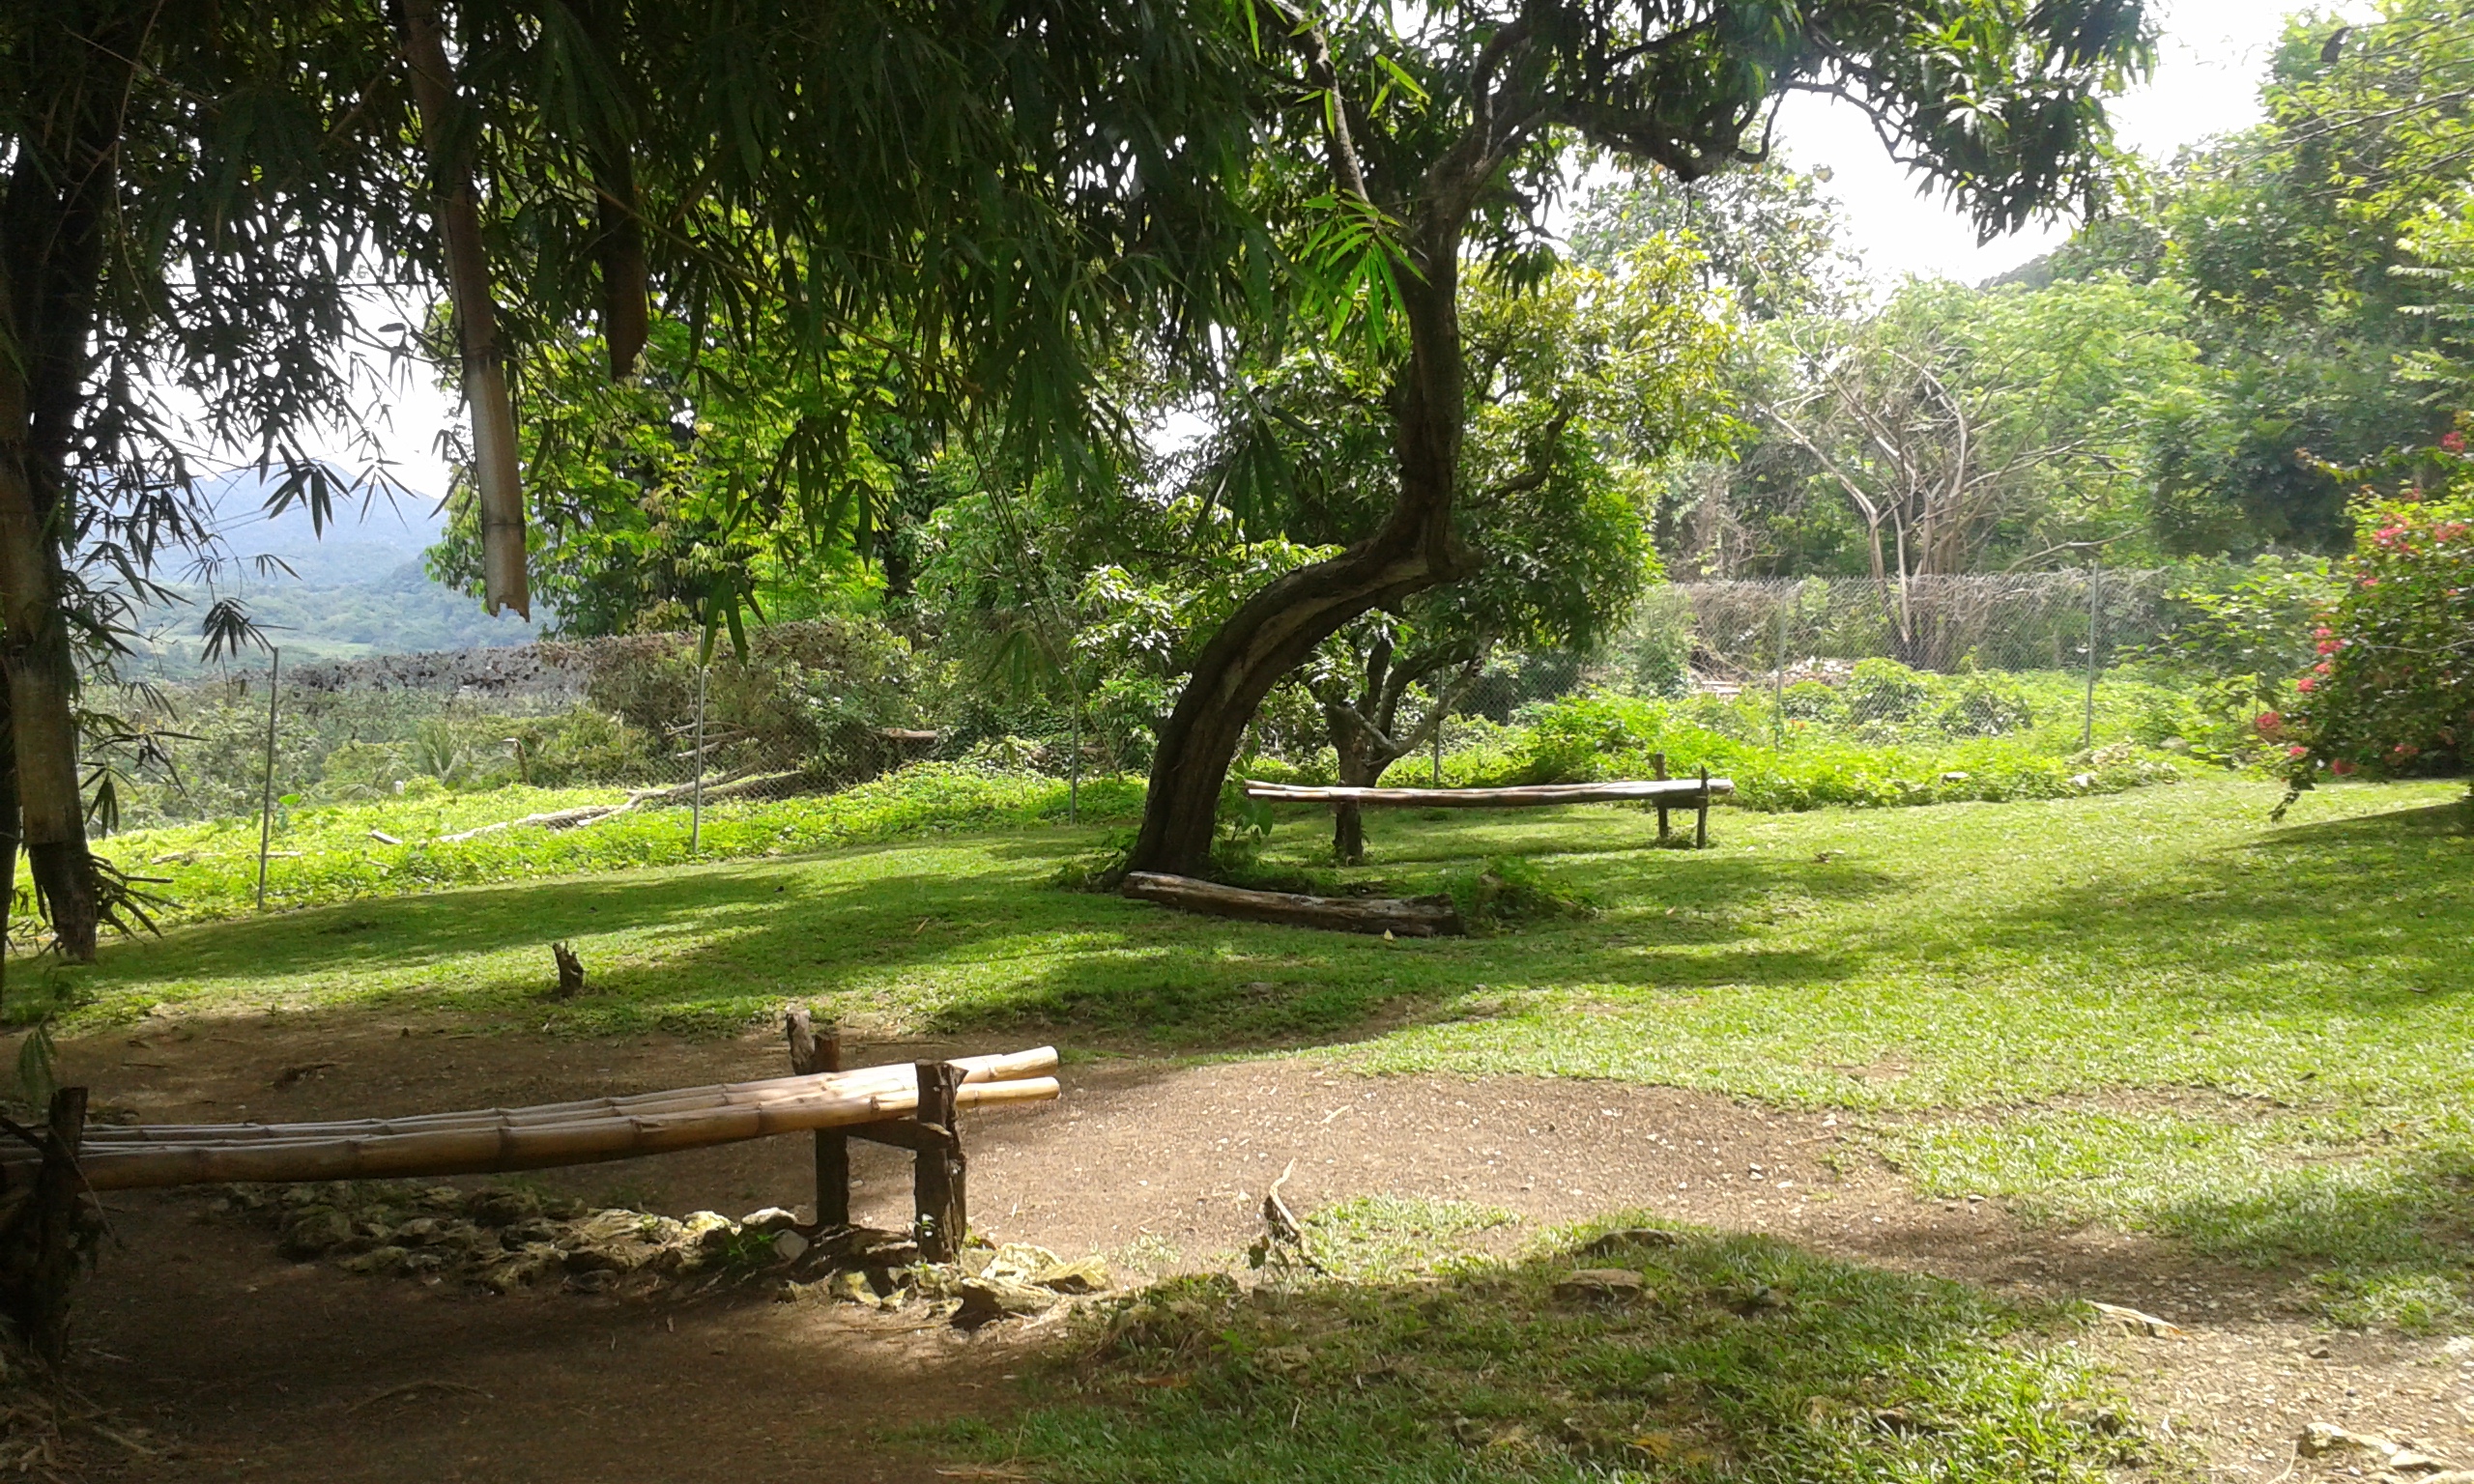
(1738, 1356)
(956, 949)
(2366, 914)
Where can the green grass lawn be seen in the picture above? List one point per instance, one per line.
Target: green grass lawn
(1742, 1358)
(1998, 989)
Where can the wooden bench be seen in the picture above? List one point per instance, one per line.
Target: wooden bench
(1660, 793)
(912, 1106)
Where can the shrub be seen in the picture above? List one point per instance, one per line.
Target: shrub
(1811, 700)
(1505, 891)
(1886, 691)
(1984, 705)
(2392, 688)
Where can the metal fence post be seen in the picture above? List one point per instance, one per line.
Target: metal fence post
(695, 794)
(2095, 615)
(265, 797)
(1778, 676)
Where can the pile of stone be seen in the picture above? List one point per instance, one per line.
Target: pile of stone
(502, 1238)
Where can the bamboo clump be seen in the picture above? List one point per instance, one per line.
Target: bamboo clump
(498, 1140)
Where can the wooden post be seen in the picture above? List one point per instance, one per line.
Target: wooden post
(937, 1171)
(42, 1236)
(1657, 763)
(1701, 825)
(812, 1052)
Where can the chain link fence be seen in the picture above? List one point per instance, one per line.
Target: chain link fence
(818, 705)
(811, 707)
(1861, 656)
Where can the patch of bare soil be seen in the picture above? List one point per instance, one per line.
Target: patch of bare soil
(250, 1367)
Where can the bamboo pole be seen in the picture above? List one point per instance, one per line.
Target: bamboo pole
(497, 1148)
(1684, 789)
(1007, 1067)
(496, 477)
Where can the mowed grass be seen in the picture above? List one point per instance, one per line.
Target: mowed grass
(2156, 1009)
(1741, 1357)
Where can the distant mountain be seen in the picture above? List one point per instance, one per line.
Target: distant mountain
(357, 588)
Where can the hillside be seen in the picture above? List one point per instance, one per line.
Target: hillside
(357, 588)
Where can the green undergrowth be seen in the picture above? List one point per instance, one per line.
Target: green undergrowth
(1416, 1359)
(335, 853)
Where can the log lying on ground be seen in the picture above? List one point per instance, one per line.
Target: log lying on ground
(746, 783)
(1671, 791)
(1005, 1067)
(1415, 917)
(497, 1148)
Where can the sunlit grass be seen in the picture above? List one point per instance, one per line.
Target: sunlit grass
(2009, 992)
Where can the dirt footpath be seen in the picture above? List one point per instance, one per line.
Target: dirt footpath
(250, 1367)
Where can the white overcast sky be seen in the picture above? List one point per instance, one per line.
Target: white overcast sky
(2206, 82)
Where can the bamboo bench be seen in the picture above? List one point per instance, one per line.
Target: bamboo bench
(910, 1106)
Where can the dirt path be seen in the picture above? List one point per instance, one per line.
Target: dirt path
(254, 1368)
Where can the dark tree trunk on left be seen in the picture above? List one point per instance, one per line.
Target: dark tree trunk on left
(61, 188)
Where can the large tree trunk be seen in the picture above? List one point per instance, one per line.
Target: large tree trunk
(1356, 754)
(8, 839)
(61, 188)
(1274, 631)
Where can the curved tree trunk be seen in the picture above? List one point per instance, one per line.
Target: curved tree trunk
(1274, 631)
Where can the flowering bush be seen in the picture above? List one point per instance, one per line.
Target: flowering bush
(2391, 688)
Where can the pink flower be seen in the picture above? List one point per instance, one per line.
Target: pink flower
(2269, 724)
(2306, 683)
(2296, 749)
(2328, 646)
(2340, 767)
(2453, 441)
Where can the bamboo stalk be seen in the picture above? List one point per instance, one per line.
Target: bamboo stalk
(999, 1068)
(1686, 790)
(497, 1148)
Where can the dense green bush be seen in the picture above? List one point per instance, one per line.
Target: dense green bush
(2391, 688)
(1605, 736)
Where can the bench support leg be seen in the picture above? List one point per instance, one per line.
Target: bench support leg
(938, 1172)
(812, 1051)
(1658, 764)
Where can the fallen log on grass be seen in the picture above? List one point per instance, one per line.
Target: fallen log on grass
(1674, 791)
(1412, 917)
(746, 783)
